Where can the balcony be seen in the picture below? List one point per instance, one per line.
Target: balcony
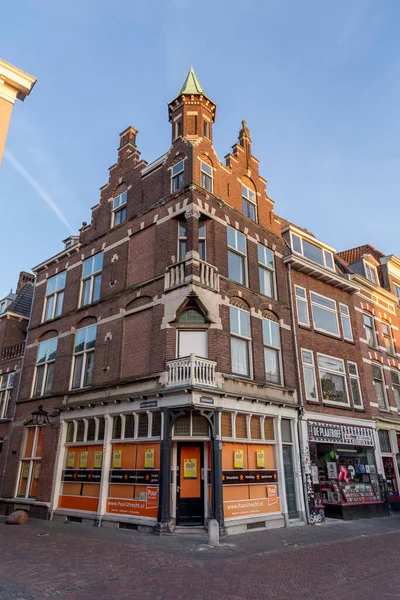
(191, 370)
(11, 352)
(191, 271)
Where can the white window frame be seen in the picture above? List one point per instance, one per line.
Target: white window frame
(333, 372)
(396, 289)
(355, 377)
(396, 388)
(345, 315)
(119, 204)
(276, 349)
(388, 336)
(324, 251)
(263, 266)
(178, 174)
(300, 298)
(92, 277)
(6, 386)
(235, 250)
(385, 396)
(85, 354)
(203, 238)
(371, 270)
(182, 239)
(33, 459)
(241, 337)
(310, 366)
(249, 197)
(374, 341)
(331, 310)
(206, 175)
(56, 294)
(44, 364)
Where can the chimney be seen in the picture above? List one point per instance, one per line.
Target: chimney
(24, 278)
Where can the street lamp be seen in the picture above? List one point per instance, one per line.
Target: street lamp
(40, 416)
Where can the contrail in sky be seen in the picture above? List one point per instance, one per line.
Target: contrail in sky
(35, 185)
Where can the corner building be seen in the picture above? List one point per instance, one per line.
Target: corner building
(159, 387)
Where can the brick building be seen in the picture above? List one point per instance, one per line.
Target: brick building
(159, 386)
(15, 309)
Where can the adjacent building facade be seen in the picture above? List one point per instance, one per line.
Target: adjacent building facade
(193, 356)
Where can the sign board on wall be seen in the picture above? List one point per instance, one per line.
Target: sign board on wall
(70, 460)
(149, 458)
(260, 459)
(340, 434)
(98, 459)
(83, 460)
(142, 508)
(117, 459)
(238, 459)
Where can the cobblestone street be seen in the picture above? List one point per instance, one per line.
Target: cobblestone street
(339, 560)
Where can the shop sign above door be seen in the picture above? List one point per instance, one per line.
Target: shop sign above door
(340, 434)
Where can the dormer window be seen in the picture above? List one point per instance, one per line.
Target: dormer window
(311, 251)
(371, 273)
(249, 203)
(3, 306)
(119, 209)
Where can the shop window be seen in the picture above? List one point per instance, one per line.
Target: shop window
(384, 441)
(240, 341)
(241, 426)
(369, 329)
(102, 425)
(182, 240)
(143, 425)
(70, 432)
(91, 279)
(45, 360)
(324, 314)
(396, 388)
(199, 425)
(178, 176)
(379, 384)
(236, 256)
(156, 424)
(346, 322)
(286, 429)
(266, 271)
(129, 426)
(226, 424)
(388, 338)
(355, 385)
(303, 317)
(91, 430)
(269, 433)
(182, 426)
(202, 239)
(310, 381)
(255, 428)
(272, 351)
(333, 379)
(117, 428)
(80, 432)
(30, 462)
(54, 296)
(6, 386)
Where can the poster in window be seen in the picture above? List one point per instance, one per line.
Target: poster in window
(98, 459)
(190, 468)
(314, 474)
(272, 494)
(25, 470)
(260, 459)
(238, 459)
(83, 460)
(149, 458)
(70, 460)
(332, 470)
(36, 471)
(117, 459)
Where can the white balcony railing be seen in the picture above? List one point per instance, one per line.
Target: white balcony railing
(191, 370)
(207, 275)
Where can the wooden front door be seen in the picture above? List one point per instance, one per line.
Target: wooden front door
(190, 500)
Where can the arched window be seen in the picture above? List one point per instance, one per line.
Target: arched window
(192, 316)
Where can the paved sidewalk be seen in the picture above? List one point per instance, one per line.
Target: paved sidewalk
(340, 560)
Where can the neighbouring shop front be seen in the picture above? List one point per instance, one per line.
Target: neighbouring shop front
(344, 470)
(389, 444)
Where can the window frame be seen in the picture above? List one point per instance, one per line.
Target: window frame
(396, 388)
(370, 268)
(330, 310)
(388, 336)
(263, 266)
(383, 381)
(206, 177)
(182, 239)
(396, 290)
(276, 349)
(333, 372)
(345, 316)
(178, 177)
(372, 328)
(324, 251)
(85, 354)
(32, 459)
(355, 377)
(92, 277)
(248, 202)
(240, 336)
(206, 129)
(300, 298)
(202, 239)
(237, 252)
(55, 295)
(44, 364)
(119, 208)
(97, 437)
(310, 367)
(5, 392)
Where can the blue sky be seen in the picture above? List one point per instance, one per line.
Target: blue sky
(317, 82)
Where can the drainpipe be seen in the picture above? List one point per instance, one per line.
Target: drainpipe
(16, 399)
(301, 411)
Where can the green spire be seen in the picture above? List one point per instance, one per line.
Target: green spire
(191, 85)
